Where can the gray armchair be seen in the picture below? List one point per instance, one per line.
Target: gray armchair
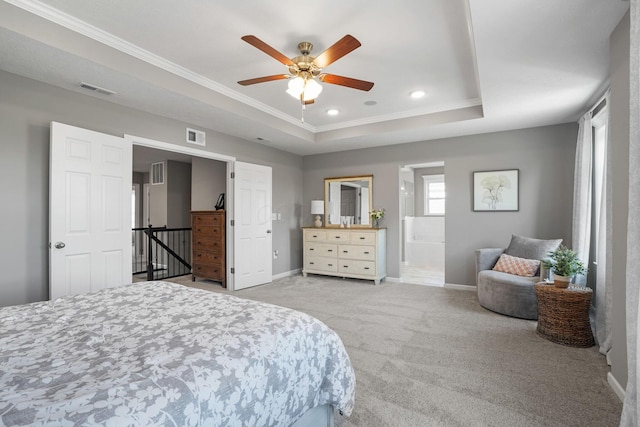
(506, 293)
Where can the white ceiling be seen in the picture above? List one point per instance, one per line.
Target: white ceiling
(486, 65)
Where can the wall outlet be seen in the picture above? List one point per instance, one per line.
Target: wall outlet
(275, 254)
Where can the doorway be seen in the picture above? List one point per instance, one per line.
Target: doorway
(422, 223)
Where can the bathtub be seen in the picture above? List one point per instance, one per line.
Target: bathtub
(424, 242)
(420, 253)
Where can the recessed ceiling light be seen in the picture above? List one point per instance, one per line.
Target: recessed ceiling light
(417, 94)
(333, 112)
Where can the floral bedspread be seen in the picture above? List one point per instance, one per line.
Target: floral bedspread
(157, 353)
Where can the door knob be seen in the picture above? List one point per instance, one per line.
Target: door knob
(268, 231)
(59, 245)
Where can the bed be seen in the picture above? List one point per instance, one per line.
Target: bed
(158, 353)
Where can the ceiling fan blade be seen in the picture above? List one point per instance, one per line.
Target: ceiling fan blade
(339, 49)
(259, 44)
(263, 79)
(311, 101)
(346, 81)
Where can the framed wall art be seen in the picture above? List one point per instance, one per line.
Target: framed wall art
(495, 191)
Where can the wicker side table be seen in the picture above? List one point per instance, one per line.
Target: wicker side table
(563, 315)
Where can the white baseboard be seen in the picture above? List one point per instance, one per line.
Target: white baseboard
(446, 285)
(286, 274)
(615, 386)
(460, 287)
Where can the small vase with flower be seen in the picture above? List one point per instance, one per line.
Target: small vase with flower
(376, 216)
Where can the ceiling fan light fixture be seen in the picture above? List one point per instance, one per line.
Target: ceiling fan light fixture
(307, 89)
(312, 89)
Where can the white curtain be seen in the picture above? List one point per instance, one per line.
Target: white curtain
(604, 275)
(631, 407)
(581, 233)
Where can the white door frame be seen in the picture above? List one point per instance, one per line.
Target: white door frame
(230, 160)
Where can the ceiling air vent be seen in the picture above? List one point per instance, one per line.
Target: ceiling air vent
(98, 89)
(157, 173)
(196, 136)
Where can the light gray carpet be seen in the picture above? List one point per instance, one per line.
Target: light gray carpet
(428, 356)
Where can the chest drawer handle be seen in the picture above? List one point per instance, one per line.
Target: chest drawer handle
(329, 250)
(366, 253)
(337, 237)
(330, 265)
(366, 268)
(362, 238)
(312, 263)
(345, 252)
(311, 249)
(314, 236)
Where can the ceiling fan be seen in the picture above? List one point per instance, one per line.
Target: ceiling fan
(305, 69)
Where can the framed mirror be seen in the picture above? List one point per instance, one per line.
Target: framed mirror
(348, 201)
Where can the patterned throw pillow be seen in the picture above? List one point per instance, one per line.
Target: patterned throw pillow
(518, 266)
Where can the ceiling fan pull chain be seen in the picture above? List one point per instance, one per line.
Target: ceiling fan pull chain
(303, 107)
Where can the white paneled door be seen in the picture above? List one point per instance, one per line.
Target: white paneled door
(252, 226)
(89, 211)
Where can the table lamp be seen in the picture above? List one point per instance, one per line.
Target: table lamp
(317, 209)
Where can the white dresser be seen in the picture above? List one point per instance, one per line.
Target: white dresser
(358, 253)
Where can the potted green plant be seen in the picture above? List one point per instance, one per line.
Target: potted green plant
(564, 264)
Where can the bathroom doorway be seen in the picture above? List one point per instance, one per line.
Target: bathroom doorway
(422, 223)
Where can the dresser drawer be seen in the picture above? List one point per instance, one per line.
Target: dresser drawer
(321, 249)
(208, 231)
(209, 244)
(315, 235)
(367, 253)
(214, 272)
(366, 268)
(321, 264)
(338, 236)
(207, 219)
(363, 238)
(207, 257)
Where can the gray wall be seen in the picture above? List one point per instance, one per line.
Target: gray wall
(178, 194)
(158, 201)
(545, 157)
(208, 180)
(619, 140)
(26, 109)
(139, 178)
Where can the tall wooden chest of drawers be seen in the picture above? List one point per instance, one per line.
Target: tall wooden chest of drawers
(359, 253)
(208, 246)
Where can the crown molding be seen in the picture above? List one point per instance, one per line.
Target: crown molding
(474, 102)
(80, 27)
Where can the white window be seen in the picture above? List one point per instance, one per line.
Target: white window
(434, 194)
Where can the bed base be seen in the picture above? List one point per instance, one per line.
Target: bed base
(320, 416)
